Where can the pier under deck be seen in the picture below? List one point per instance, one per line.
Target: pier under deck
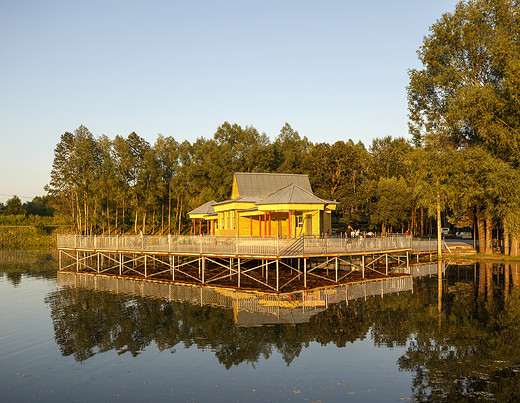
(267, 264)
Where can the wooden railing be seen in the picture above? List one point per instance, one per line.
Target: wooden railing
(236, 246)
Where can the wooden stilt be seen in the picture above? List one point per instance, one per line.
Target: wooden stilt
(304, 273)
(277, 274)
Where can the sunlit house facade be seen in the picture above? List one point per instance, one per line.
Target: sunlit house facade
(266, 205)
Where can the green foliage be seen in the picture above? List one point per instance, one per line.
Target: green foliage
(14, 207)
(467, 93)
(27, 237)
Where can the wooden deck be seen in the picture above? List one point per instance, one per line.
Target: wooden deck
(279, 264)
(266, 248)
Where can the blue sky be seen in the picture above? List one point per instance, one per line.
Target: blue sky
(334, 70)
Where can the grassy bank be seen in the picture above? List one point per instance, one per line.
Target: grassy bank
(27, 237)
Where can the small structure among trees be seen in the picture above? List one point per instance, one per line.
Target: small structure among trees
(266, 205)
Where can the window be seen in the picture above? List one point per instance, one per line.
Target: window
(299, 219)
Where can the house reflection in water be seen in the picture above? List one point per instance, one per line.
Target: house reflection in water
(250, 308)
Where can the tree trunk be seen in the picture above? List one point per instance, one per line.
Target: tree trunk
(515, 238)
(481, 228)
(169, 209)
(439, 237)
(180, 215)
(422, 221)
(506, 237)
(489, 234)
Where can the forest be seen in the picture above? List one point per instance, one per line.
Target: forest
(463, 159)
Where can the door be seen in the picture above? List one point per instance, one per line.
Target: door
(308, 230)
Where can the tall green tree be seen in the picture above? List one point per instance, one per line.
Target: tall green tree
(13, 206)
(468, 90)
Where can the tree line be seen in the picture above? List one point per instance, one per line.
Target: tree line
(464, 158)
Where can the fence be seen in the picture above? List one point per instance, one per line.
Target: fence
(237, 246)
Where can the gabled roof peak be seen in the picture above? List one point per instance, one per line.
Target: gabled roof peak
(259, 185)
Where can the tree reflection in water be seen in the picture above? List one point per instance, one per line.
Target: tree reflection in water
(473, 352)
(87, 322)
(468, 351)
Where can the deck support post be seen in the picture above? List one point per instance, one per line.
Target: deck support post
(59, 259)
(386, 263)
(363, 266)
(408, 260)
(145, 267)
(277, 274)
(238, 272)
(304, 273)
(203, 268)
(77, 261)
(120, 264)
(336, 267)
(98, 262)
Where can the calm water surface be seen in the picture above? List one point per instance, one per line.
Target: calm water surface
(79, 344)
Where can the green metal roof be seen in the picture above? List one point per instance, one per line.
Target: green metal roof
(259, 185)
(206, 208)
(292, 194)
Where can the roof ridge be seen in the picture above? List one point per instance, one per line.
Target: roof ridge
(276, 191)
(269, 173)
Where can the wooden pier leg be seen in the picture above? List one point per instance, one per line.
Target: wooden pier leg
(277, 274)
(363, 266)
(59, 259)
(238, 270)
(77, 261)
(170, 259)
(386, 263)
(408, 262)
(98, 262)
(145, 267)
(336, 267)
(203, 268)
(120, 264)
(304, 273)
(173, 267)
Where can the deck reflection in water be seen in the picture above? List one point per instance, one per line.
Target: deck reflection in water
(250, 308)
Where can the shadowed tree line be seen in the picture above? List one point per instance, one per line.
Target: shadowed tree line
(127, 185)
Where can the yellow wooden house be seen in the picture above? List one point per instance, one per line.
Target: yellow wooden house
(266, 205)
